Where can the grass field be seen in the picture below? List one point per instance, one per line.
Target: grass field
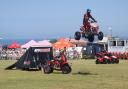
(85, 75)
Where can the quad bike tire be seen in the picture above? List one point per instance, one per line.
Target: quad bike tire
(91, 37)
(117, 61)
(100, 35)
(113, 60)
(77, 35)
(105, 61)
(108, 61)
(47, 69)
(66, 69)
(97, 62)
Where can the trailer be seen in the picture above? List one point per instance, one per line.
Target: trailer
(90, 50)
(118, 45)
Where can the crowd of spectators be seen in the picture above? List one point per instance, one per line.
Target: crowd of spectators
(12, 54)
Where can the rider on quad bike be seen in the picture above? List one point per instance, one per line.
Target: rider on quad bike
(87, 16)
(89, 28)
(58, 63)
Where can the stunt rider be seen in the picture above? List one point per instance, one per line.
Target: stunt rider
(89, 28)
(86, 24)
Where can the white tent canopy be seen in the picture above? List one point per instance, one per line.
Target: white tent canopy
(33, 43)
(44, 43)
(29, 44)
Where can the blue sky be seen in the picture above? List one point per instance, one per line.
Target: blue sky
(59, 18)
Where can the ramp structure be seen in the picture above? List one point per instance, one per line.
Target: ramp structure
(33, 58)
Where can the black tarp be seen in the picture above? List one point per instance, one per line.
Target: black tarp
(34, 57)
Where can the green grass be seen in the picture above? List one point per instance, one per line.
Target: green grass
(85, 75)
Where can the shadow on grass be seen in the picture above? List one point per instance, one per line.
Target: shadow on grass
(23, 69)
(84, 73)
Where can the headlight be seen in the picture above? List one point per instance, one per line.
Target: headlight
(106, 57)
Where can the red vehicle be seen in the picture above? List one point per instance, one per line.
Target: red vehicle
(106, 57)
(112, 59)
(89, 33)
(101, 59)
(59, 63)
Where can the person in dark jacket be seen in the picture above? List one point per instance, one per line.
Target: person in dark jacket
(87, 17)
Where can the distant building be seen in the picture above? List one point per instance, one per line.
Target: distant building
(113, 44)
(118, 45)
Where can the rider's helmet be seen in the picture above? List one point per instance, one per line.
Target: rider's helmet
(88, 11)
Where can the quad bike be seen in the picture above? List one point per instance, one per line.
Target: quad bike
(89, 32)
(106, 57)
(112, 59)
(101, 59)
(59, 63)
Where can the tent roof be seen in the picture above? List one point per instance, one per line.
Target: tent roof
(29, 44)
(44, 43)
(62, 43)
(32, 43)
(14, 45)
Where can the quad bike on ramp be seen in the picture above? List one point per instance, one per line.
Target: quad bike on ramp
(89, 32)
